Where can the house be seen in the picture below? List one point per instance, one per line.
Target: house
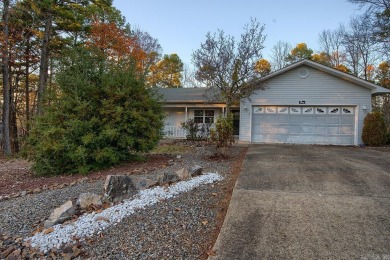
(181, 104)
(303, 103)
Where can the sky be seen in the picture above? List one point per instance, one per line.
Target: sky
(181, 25)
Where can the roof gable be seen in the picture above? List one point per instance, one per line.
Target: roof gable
(375, 89)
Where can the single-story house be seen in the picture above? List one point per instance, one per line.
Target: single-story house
(304, 103)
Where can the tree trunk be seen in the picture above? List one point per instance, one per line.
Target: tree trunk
(12, 120)
(6, 82)
(44, 62)
(27, 84)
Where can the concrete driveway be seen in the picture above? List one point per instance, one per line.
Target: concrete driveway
(309, 202)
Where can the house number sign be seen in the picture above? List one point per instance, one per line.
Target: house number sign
(302, 102)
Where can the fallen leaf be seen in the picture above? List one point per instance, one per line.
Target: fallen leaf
(205, 222)
(214, 194)
(177, 209)
(39, 229)
(48, 231)
(101, 218)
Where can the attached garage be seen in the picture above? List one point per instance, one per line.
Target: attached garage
(307, 103)
(304, 124)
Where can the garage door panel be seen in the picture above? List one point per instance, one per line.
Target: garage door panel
(333, 140)
(281, 129)
(333, 120)
(320, 120)
(294, 129)
(332, 130)
(293, 125)
(347, 120)
(319, 139)
(347, 140)
(347, 130)
(307, 129)
(293, 139)
(295, 119)
(283, 119)
(306, 120)
(306, 139)
(320, 129)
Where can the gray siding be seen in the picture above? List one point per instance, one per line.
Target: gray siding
(318, 88)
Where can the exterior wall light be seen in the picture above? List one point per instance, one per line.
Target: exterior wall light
(246, 108)
(364, 108)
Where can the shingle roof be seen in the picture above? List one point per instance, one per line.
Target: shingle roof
(188, 95)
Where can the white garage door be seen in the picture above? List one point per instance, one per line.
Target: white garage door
(304, 125)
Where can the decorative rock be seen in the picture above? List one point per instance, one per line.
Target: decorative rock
(119, 187)
(169, 177)
(142, 182)
(68, 249)
(36, 190)
(60, 214)
(183, 174)
(195, 170)
(87, 199)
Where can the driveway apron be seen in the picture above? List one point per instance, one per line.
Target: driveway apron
(309, 202)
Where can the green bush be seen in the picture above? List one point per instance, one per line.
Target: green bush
(222, 135)
(102, 115)
(374, 129)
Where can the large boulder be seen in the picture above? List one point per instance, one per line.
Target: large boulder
(144, 182)
(119, 187)
(183, 174)
(60, 214)
(168, 178)
(195, 170)
(87, 199)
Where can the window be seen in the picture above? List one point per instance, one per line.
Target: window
(204, 116)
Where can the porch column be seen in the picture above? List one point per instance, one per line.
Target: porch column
(186, 114)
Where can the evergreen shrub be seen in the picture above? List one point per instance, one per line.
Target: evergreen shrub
(100, 115)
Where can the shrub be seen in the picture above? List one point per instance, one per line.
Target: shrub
(388, 138)
(103, 115)
(374, 129)
(222, 135)
(196, 131)
(192, 129)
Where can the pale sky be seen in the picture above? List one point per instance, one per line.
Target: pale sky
(181, 25)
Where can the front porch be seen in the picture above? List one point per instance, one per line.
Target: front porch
(176, 114)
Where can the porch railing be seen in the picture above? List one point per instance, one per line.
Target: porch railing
(174, 132)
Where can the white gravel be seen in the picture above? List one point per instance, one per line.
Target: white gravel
(94, 223)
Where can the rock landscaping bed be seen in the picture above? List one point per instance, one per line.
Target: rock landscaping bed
(185, 225)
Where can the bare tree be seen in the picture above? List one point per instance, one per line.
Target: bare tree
(189, 79)
(331, 43)
(280, 51)
(6, 80)
(359, 46)
(378, 12)
(228, 68)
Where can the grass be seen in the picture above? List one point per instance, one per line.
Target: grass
(171, 149)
